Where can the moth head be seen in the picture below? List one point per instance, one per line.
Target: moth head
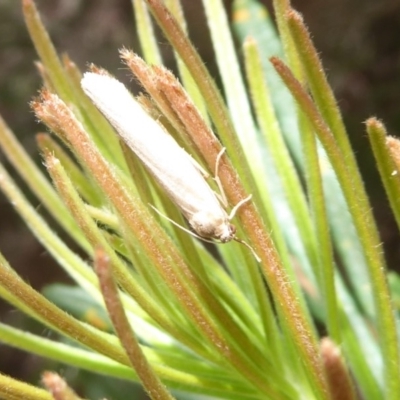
(209, 226)
(225, 232)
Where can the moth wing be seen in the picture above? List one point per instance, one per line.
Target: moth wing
(178, 173)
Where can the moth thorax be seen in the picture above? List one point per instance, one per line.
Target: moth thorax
(209, 226)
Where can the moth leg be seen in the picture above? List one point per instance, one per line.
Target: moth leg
(221, 196)
(238, 205)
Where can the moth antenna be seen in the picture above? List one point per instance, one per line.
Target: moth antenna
(180, 226)
(205, 174)
(258, 259)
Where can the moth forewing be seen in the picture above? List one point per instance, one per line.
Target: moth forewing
(169, 164)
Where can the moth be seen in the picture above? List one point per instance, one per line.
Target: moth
(170, 165)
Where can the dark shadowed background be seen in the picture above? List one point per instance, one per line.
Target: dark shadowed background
(358, 41)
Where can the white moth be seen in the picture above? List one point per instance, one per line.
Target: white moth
(170, 165)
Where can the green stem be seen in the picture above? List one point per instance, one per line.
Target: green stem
(387, 167)
(39, 185)
(212, 97)
(326, 265)
(360, 210)
(58, 319)
(12, 389)
(145, 372)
